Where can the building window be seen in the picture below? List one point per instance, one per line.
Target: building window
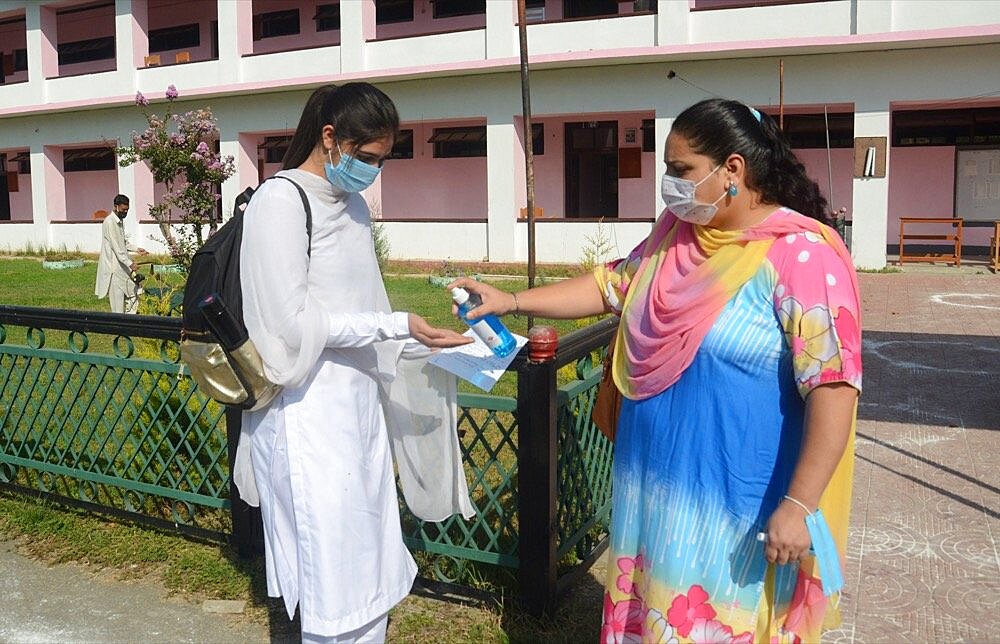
(648, 135)
(275, 148)
(327, 17)
(644, 5)
(88, 160)
(20, 60)
(805, 131)
(977, 126)
(534, 10)
(537, 139)
(82, 51)
(450, 142)
(390, 11)
(276, 23)
(589, 8)
(453, 8)
(402, 147)
(181, 37)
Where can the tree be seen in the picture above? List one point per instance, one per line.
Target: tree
(180, 151)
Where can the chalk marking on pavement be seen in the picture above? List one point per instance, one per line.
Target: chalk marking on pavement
(943, 298)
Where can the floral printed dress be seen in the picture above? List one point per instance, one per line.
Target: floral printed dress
(700, 467)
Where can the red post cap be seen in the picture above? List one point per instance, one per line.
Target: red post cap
(542, 343)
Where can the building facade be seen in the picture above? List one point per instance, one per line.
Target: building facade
(917, 81)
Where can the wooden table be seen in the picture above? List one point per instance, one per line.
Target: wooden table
(952, 236)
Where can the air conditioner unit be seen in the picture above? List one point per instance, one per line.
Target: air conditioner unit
(534, 14)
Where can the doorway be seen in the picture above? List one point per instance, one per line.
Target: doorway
(592, 169)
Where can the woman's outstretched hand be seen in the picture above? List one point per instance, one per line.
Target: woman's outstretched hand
(434, 337)
(495, 301)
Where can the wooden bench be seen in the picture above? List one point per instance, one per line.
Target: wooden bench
(952, 236)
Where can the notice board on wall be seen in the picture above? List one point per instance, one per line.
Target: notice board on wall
(977, 184)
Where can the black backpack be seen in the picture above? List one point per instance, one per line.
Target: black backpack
(231, 376)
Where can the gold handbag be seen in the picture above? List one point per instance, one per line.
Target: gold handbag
(231, 378)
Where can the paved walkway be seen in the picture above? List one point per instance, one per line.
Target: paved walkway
(923, 564)
(67, 604)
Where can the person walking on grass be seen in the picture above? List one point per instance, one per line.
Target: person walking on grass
(739, 357)
(114, 265)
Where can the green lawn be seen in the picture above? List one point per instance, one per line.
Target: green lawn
(201, 570)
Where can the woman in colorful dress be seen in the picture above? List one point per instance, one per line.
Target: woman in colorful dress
(739, 357)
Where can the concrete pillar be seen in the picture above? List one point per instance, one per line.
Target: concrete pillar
(502, 40)
(235, 34)
(131, 36)
(42, 38)
(663, 124)
(136, 183)
(48, 189)
(869, 17)
(870, 207)
(243, 148)
(673, 22)
(502, 146)
(357, 27)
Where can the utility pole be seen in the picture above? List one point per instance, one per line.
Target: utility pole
(529, 159)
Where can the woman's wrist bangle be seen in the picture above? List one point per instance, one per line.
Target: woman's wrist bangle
(517, 305)
(798, 503)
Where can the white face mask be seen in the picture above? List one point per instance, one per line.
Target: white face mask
(678, 195)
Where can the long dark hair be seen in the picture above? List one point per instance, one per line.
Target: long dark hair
(358, 112)
(718, 127)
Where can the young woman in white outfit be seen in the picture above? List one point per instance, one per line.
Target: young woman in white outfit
(317, 311)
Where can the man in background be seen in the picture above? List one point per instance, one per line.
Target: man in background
(114, 266)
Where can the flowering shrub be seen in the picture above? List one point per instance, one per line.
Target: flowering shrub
(180, 150)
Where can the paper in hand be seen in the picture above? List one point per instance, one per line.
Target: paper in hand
(475, 362)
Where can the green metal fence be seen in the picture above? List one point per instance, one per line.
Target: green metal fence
(96, 409)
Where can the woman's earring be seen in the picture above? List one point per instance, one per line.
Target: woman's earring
(733, 190)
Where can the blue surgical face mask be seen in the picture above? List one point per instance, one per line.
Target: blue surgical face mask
(350, 174)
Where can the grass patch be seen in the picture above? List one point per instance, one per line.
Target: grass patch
(202, 570)
(883, 270)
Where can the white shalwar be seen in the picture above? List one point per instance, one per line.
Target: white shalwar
(114, 267)
(321, 457)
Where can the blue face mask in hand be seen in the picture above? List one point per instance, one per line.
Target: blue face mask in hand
(350, 174)
(825, 550)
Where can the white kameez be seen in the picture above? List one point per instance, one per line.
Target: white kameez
(321, 452)
(114, 267)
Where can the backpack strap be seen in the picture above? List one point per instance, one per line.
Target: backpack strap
(244, 198)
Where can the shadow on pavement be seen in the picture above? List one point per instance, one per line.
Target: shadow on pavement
(931, 379)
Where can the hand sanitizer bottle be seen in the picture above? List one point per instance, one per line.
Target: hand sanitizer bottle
(489, 328)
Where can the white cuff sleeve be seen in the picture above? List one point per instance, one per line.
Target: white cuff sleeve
(361, 329)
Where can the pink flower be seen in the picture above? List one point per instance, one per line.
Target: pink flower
(622, 623)
(171, 92)
(807, 607)
(684, 610)
(141, 100)
(706, 631)
(849, 334)
(631, 568)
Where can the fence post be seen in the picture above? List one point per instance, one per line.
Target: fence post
(536, 471)
(248, 527)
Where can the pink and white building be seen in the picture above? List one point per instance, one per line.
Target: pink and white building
(920, 78)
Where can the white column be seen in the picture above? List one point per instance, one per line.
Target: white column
(502, 40)
(673, 22)
(243, 149)
(48, 190)
(235, 35)
(870, 208)
(872, 17)
(131, 39)
(662, 129)
(501, 201)
(42, 37)
(357, 27)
